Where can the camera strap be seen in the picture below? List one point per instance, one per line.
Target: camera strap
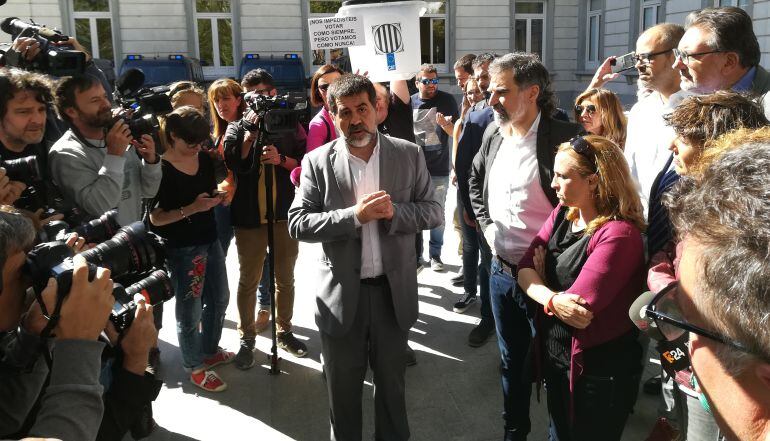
(53, 321)
(85, 141)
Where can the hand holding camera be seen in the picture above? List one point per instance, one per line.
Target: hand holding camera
(270, 155)
(139, 338)
(27, 47)
(146, 148)
(118, 138)
(10, 190)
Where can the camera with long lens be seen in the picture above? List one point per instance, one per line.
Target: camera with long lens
(131, 251)
(156, 288)
(142, 105)
(278, 114)
(55, 60)
(26, 169)
(93, 231)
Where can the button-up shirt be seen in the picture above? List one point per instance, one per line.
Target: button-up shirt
(366, 180)
(517, 203)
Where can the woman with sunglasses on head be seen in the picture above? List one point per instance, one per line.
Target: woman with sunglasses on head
(184, 217)
(584, 269)
(321, 129)
(600, 113)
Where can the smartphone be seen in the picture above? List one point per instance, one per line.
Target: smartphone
(623, 62)
(216, 193)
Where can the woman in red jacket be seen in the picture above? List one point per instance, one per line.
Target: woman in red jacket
(584, 269)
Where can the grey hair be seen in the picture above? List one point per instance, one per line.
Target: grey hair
(726, 214)
(528, 71)
(480, 60)
(730, 29)
(350, 85)
(17, 232)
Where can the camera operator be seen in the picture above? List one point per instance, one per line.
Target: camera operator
(97, 164)
(24, 98)
(248, 217)
(71, 407)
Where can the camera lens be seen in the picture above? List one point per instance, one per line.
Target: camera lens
(155, 288)
(131, 250)
(99, 229)
(24, 169)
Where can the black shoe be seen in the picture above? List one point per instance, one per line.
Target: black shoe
(652, 386)
(465, 302)
(144, 425)
(289, 343)
(411, 357)
(481, 333)
(514, 435)
(244, 359)
(459, 279)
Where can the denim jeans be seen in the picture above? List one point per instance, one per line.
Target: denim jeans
(514, 336)
(475, 271)
(200, 286)
(436, 241)
(224, 226)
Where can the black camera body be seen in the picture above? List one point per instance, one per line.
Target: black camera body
(278, 114)
(143, 105)
(55, 60)
(156, 288)
(26, 169)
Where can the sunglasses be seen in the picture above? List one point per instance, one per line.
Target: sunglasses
(591, 109)
(670, 321)
(583, 148)
(429, 81)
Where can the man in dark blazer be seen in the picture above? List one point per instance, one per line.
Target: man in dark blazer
(364, 196)
(511, 196)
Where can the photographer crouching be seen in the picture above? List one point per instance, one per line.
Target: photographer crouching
(71, 406)
(248, 145)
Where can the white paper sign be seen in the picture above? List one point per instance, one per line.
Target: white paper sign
(334, 32)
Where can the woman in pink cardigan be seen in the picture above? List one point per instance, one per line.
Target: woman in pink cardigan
(321, 129)
(584, 269)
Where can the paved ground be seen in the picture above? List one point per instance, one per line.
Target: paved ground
(453, 393)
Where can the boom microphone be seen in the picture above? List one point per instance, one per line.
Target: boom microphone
(673, 354)
(130, 82)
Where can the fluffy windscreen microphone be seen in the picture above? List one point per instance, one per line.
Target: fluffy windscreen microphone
(130, 82)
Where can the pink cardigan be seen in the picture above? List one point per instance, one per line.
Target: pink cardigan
(317, 134)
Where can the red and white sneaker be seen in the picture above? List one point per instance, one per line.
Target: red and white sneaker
(221, 357)
(208, 381)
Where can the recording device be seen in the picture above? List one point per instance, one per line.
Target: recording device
(26, 169)
(142, 105)
(278, 114)
(55, 60)
(94, 231)
(131, 251)
(674, 355)
(623, 62)
(156, 288)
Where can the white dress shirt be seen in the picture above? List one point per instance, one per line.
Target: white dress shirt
(517, 203)
(366, 180)
(648, 139)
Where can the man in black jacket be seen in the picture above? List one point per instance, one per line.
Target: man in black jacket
(248, 211)
(516, 160)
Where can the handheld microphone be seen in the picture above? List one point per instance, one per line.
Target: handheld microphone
(674, 355)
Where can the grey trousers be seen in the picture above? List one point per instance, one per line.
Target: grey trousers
(376, 340)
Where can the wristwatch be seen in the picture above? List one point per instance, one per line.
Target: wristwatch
(283, 158)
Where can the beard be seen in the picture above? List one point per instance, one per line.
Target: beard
(32, 134)
(361, 142)
(501, 116)
(102, 118)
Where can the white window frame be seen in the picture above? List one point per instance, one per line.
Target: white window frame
(647, 4)
(440, 67)
(215, 70)
(599, 13)
(529, 17)
(736, 3)
(92, 16)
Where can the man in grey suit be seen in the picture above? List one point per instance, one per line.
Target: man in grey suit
(364, 196)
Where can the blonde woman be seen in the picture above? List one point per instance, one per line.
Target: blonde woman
(584, 269)
(600, 113)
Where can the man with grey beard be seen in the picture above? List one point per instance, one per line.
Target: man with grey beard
(510, 207)
(364, 197)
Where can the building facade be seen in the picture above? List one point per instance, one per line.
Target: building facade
(571, 36)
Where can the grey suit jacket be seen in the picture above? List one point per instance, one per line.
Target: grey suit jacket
(322, 212)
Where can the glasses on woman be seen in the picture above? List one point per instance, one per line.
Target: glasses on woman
(583, 148)
(670, 321)
(427, 81)
(591, 109)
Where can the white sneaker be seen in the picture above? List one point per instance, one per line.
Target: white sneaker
(436, 264)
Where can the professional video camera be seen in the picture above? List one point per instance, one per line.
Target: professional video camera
(278, 115)
(143, 105)
(55, 60)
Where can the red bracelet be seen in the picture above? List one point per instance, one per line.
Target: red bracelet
(549, 304)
